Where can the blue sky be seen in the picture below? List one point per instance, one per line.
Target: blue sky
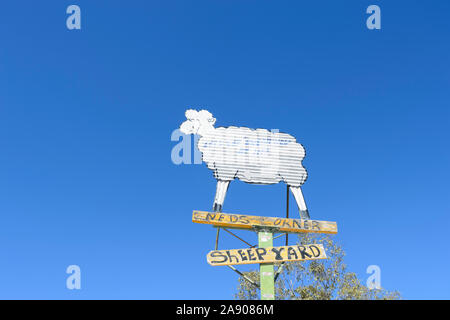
(86, 116)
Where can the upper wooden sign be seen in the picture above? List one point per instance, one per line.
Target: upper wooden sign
(240, 221)
(266, 255)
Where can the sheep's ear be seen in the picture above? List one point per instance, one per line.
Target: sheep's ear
(191, 114)
(205, 114)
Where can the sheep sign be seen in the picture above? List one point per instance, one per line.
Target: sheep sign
(251, 155)
(257, 156)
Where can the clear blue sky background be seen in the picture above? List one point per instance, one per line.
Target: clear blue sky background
(86, 116)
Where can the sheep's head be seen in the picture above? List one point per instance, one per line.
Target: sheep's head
(198, 122)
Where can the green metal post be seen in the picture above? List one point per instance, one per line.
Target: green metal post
(266, 270)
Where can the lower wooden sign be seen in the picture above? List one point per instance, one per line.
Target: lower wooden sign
(240, 221)
(266, 255)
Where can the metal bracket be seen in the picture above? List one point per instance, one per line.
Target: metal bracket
(280, 235)
(280, 268)
(234, 235)
(232, 267)
(266, 229)
(245, 277)
(251, 246)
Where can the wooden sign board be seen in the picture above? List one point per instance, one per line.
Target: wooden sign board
(240, 221)
(266, 255)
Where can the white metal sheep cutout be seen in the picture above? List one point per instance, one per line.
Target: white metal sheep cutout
(250, 155)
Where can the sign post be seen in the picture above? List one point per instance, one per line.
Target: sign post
(266, 270)
(256, 156)
(265, 254)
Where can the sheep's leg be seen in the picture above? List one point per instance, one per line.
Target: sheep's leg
(221, 191)
(298, 195)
